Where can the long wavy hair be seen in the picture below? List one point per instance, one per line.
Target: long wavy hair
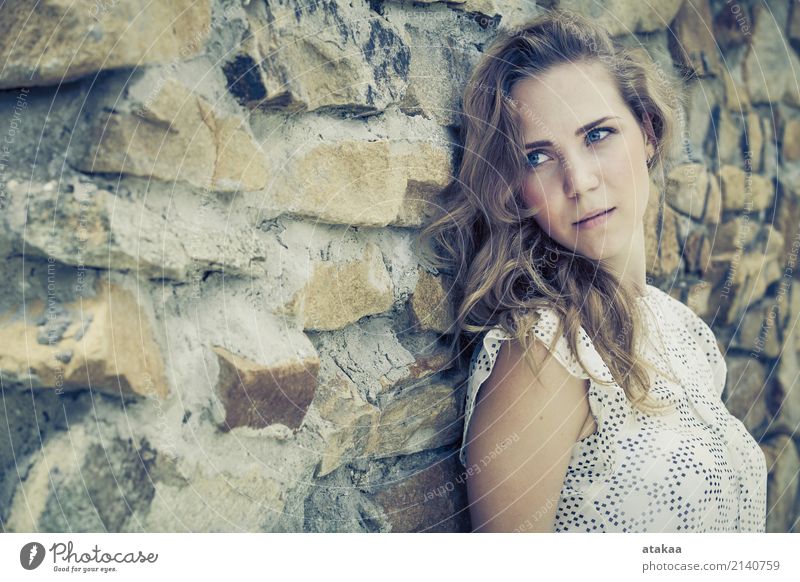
(499, 264)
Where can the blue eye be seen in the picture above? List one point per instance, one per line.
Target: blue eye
(590, 141)
(534, 153)
(590, 132)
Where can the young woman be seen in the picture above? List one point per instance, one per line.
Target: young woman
(624, 429)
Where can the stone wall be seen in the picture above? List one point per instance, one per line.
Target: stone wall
(212, 316)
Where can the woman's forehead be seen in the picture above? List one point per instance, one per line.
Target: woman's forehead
(572, 94)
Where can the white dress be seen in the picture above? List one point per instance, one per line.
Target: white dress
(696, 469)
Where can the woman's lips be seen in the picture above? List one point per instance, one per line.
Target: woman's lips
(596, 220)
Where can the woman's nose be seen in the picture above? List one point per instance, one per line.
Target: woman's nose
(581, 174)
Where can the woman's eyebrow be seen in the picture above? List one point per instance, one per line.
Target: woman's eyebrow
(579, 131)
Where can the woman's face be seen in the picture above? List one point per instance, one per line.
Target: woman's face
(594, 156)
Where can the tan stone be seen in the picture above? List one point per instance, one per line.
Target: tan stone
(67, 40)
(430, 305)
(791, 140)
(174, 136)
(108, 346)
(329, 56)
(365, 183)
(350, 421)
(736, 97)
(416, 420)
(687, 186)
(741, 278)
(784, 401)
(758, 332)
(754, 142)
(258, 395)
(338, 294)
(429, 169)
(783, 464)
(698, 299)
(727, 136)
(692, 42)
(97, 228)
(787, 221)
(624, 17)
(669, 250)
(713, 213)
(432, 499)
(239, 164)
(743, 191)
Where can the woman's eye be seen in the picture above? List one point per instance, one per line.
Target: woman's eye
(534, 161)
(597, 130)
(533, 156)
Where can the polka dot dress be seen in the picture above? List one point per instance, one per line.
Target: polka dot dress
(694, 469)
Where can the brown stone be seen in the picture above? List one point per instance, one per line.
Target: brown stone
(107, 346)
(432, 499)
(794, 23)
(733, 236)
(428, 364)
(697, 252)
(418, 419)
(257, 395)
(67, 40)
(430, 306)
(732, 27)
(768, 60)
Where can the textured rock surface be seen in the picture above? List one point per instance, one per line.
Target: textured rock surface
(212, 313)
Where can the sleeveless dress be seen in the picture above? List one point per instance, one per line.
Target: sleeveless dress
(694, 469)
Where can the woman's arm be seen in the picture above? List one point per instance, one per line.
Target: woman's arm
(520, 440)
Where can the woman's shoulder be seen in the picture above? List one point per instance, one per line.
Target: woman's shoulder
(543, 324)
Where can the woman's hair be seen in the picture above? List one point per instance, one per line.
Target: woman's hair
(500, 264)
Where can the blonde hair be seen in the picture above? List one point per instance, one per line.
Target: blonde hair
(501, 264)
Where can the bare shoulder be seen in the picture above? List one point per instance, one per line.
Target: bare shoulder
(523, 429)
